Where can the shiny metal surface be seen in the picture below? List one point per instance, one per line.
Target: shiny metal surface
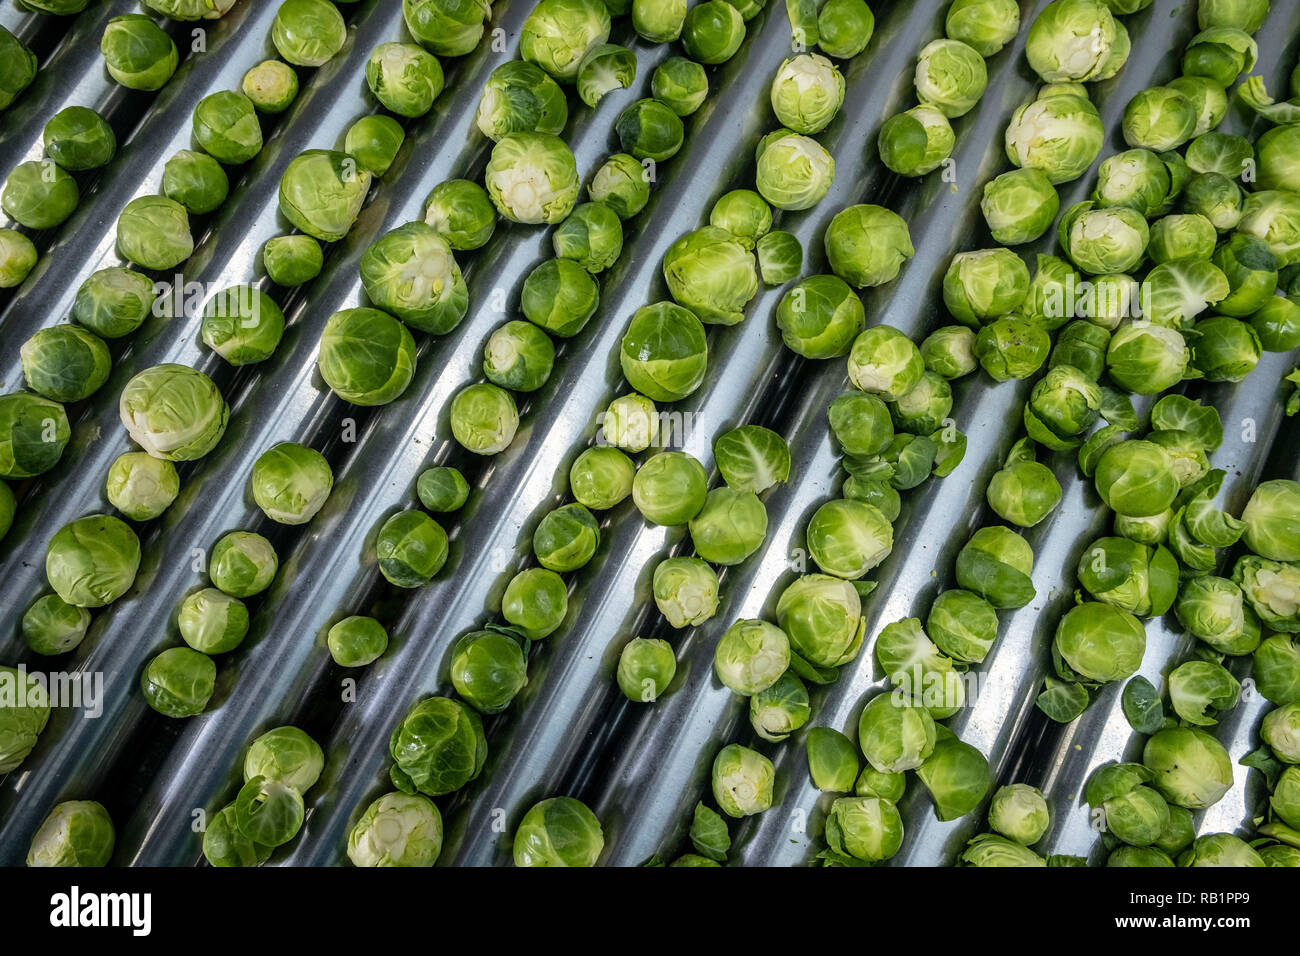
(571, 730)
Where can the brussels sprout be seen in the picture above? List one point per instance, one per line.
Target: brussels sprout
(601, 477)
(822, 617)
(447, 27)
(271, 86)
(1174, 293)
(984, 25)
(1191, 768)
(1081, 350)
(916, 141)
(488, 668)
(1281, 731)
(680, 84)
(1247, 15)
(53, 626)
(605, 68)
(1159, 118)
(963, 625)
(1277, 324)
(984, 284)
(742, 781)
(950, 352)
(442, 489)
(18, 257)
(1024, 492)
(860, 423)
(1227, 349)
(212, 622)
(373, 141)
(685, 591)
(484, 419)
(793, 172)
(39, 194)
(806, 93)
(848, 538)
(752, 458)
(75, 833)
(866, 245)
(1189, 236)
(1251, 270)
(1270, 589)
(411, 548)
(1055, 293)
(1272, 519)
(622, 183)
(913, 663)
(321, 193)
(991, 850)
(1215, 197)
(65, 363)
(461, 212)
(1221, 153)
(560, 831)
(398, 829)
(659, 21)
(243, 564)
(592, 236)
(33, 433)
(950, 76)
(154, 232)
(631, 423)
(1221, 849)
(957, 776)
(1019, 205)
(560, 296)
(869, 829)
(566, 538)
(1019, 812)
(1274, 216)
(412, 273)
(1130, 575)
(78, 138)
(1065, 403)
(532, 178)
(92, 561)
(649, 130)
(742, 214)
(895, 734)
(1070, 40)
(179, 682)
(1104, 240)
(292, 260)
(518, 356)
(437, 748)
(1059, 133)
(191, 9)
(664, 353)
(1277, 668)
(925, 407)
(18, 70)
(375, 375)
(1277, 167)
(1146, 358)
(712, 31)
(24, 712)
(519, 97)
(404, 78)
(226, 124)
(1137, 478)
(1011, 347)
(1136, 179)
(820, 317)
(730, 527)
(751, 655)
(558, 34)
(242, 324)
(196, 181)
(1220, 53)
(1133, 812)
(357, 641)
(291, 482)
(885, 362)
(268, 812)
(1199, 689)
(645, 669)
(137, 53)
(995, 564)
(308, 32)
(535, 601)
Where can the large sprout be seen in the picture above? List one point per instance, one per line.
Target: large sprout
(793, 172)
(532, 178)
(712, 274)
(1058, 132)
(1071, 40)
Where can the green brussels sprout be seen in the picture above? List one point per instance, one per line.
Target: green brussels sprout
(1281, 731)
(963, 625)
(488, 668)
(622, 183)
(984, 25)
(913, 663)
(321, 193)
(712, 31)
(179, 682)
(1277, 666)
(685, 591)
(269, 812)
(1019, 205)
(844, 28)
(484, 419)
(560, 296)
(916, 141)
(670, 488)
(291, 482)
(1104, 240)
(411, 272)
(226, 124)
(601, 477)
(461, 212)
(1174, 293)
(140, 486)
(1251, 270)
(1247, 15)
(375, 375)
(992, 850)
(659, 21)
(78, 138)
(806, 92)
(984, 284)
(1137, 478)
(996, 564)
(680, 84)
(631, 423)
(1133, 812)
(730, 527)
(752, 458)
(191, 9)
(519, 97)
(137, 53)
(75, 833)
(649, 130)
(866, 245)
(24, 712)
(404, 78)
(778, 711)
(243, 564)
(950, 352)
(1277, 324)
(957, 776)
(1063, 404)
(447, 27)
(33, 433)
(154, 232)
(308, 32)
(1216, 197)
(1019, 812)
(224, 844)
(645, 669)
(744, 215)
(1269, 588)
(442, 488)
(908, 460)
(398, 829)
(742, 781)
(1191, 769)
(1136, 179)
(1055, 293)
(271, 86)
(1081, 350)
(664, 354)
(1159, 118)
(437, 748)
(1059, 133)
(1227, 349)
(895, 734)
(1130, 575)
(868, 829)
(793, 172)
(242, 324)
(925, 407)
(822, 618)
(535, 601)
(1011, 347)
(373, 141)
(18, 257)
(1024, 492)
(751, 655)
(1189, 236)
(53, 626)
(1221, 849)
(558, 34)
(1146, 358)
(885, 362)
(1274, 216)
(1223, 153)
(292, 260)
(18, 70)
(848, 538)
(212, 622)
(605, 68)
(1220, 53)
(92, 561)
(950, 76)
(1272, 520)
(411, 549)
(566, 538)
(887, 786)
(1277, 167)
(820, 317)
(196, 181)
(532, 178)
(65, 363)
(1071, 40)
(560, 831)
(860, 423)
(591, 236)
(357, 641)
(39, 194)
(1199, 689)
